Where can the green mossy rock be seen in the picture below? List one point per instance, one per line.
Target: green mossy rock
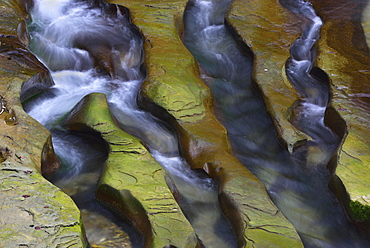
(33, 213)
(345, 56)
(360, 212)
(132, 183)
(270, 29)
(173, 83)
(33, 207)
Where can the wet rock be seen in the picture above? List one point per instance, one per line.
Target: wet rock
(33, 213)
(174, 85)
(342, 54)
(36, 77)
(269, 35)
(132, 183)
(101, 223)
(365, 21)
(50, 162)
(345, 56)
(13, 14)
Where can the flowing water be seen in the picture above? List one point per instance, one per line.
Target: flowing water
(92, 47)
(297, 182)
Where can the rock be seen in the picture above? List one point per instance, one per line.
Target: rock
(132, 183)
(345, 56)
(365, 21)
(33, 207)
(103, 229)
(270, 34)
(173, 84)
(13, 15)
(50, 162)
(342, 54)
(33, 213)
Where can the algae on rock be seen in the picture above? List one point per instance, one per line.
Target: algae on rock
(132, 182)
(33, 207)
(173, 83)
(345, 56)
(34, 212)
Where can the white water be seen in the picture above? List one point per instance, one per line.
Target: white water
(55, 27)
(70, 87)
(59, 27)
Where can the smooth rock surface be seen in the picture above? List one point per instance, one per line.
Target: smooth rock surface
(33, 212)
(132, 183)
(345, 56)
(174, 84)
(342, 53)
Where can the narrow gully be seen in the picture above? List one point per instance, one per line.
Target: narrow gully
(91, 46)
(300, 183)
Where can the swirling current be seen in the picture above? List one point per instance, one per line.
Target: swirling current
(92, 47)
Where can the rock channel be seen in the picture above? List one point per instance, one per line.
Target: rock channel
(35, 213)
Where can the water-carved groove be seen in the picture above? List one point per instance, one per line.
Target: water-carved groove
(107, 132)
(116, 61)
(298, 183)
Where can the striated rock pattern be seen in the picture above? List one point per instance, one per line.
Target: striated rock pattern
(294, 179)
(174, 84)
(345, 56)
(33, 212)
(132, 183)
(342, 53)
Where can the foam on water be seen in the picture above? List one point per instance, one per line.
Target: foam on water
(55, 27)
(178, 167)
(49, 10)
(70, 87)
(60, 27)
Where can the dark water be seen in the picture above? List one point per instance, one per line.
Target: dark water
(297, 182)
(89, 47)
(82, 160)
(92, 47)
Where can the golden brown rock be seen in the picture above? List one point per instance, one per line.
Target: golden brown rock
(33, 213)
(345, 56)
(342, 54)
(174, 84)
(132, 183)
(50, 162)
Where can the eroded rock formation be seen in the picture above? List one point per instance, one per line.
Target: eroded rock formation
(132, 183)
(36, 212)
(342, 54)
(33, 212)
(184, 96)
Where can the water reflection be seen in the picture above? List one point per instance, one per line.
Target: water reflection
(82, 158)
(298, 183)
(92, 47)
